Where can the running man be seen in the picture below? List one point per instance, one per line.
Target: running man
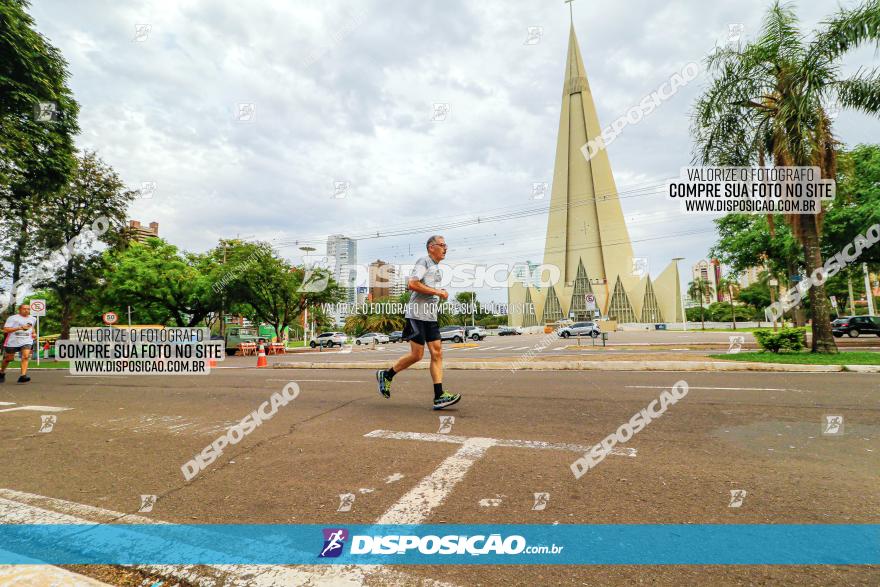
(421, 324)
(20, 335)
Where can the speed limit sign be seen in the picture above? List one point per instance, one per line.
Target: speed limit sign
(110, 318)
(590, 299)
(38, 307)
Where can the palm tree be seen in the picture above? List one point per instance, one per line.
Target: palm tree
(727, 284)
(770, 98)
(697, 290)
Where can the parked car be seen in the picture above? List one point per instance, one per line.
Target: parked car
(328, 339)
(856, 325)
(579, 329)
(396, 336)
(475, 333)
(453, 333)
(371, 337)
(509, 330)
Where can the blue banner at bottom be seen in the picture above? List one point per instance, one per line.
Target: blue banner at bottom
(479, 544)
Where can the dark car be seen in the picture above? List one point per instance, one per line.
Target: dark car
(509, 331)
(395, 336)
(856, 325)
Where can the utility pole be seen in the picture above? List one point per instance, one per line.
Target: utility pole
(223, 299)
(852, 305)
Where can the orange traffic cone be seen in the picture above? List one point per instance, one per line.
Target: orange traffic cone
(212, 363)
(262, 361)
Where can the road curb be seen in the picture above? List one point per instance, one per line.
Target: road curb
(588, 366)
(862, 368)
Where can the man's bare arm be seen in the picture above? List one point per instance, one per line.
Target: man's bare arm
(419, 287)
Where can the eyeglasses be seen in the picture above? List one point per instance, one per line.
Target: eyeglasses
(444, 245)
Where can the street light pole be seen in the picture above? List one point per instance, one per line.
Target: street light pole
(306, 250)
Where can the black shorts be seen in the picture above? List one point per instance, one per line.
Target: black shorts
(11, 350)
(421, 331)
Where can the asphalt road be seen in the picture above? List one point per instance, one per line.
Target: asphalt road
(123, 437)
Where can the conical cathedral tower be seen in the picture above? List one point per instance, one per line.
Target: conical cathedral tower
(587, 239)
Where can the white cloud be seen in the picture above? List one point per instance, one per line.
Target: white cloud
(345, 93)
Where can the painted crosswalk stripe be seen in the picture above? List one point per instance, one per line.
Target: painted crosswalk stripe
(17, 507)
(720, 388)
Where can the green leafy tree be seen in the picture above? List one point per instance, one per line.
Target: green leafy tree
(36, 155)
(769, 99)
(276, 291)
(156, 279)
(856, 206)
(697, 290)
(757, 297)
(728, 285)
(95, 199)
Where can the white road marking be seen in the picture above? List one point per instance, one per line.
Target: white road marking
(722, 388)
(7, 403)
(97, 376)
(321, 380)
(36, 409)
(534, 444)
(17, 507)
(36, 574)
(432, 491)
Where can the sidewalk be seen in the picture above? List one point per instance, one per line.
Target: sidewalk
(606, 365)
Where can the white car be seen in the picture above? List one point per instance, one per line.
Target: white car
(371, 337)
(453, 333)
(328, 339)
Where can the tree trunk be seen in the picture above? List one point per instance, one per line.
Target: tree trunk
(732, 307)
(823, 339)
(66, 317)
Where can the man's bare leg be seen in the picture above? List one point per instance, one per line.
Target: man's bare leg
(7, 358)
(384, 376)
(416, 352)
(436, 349)
(25, 356)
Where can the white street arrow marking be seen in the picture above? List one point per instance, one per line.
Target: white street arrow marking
(432, 491)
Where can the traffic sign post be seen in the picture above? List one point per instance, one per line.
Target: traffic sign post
(38, 308)
(590, 300)
(110, 318)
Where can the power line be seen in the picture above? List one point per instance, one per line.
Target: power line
(405, 230)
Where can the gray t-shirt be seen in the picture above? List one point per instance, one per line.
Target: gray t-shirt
(423, 306)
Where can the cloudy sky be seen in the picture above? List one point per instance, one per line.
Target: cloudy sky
(344, 95)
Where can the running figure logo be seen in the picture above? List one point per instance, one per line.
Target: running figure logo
(334, 540)
(736, 343)
(147, 503)
(541, 500)
(346, 500)
(737, 496)
(833, 425)
(47, 423)
(446, 423)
